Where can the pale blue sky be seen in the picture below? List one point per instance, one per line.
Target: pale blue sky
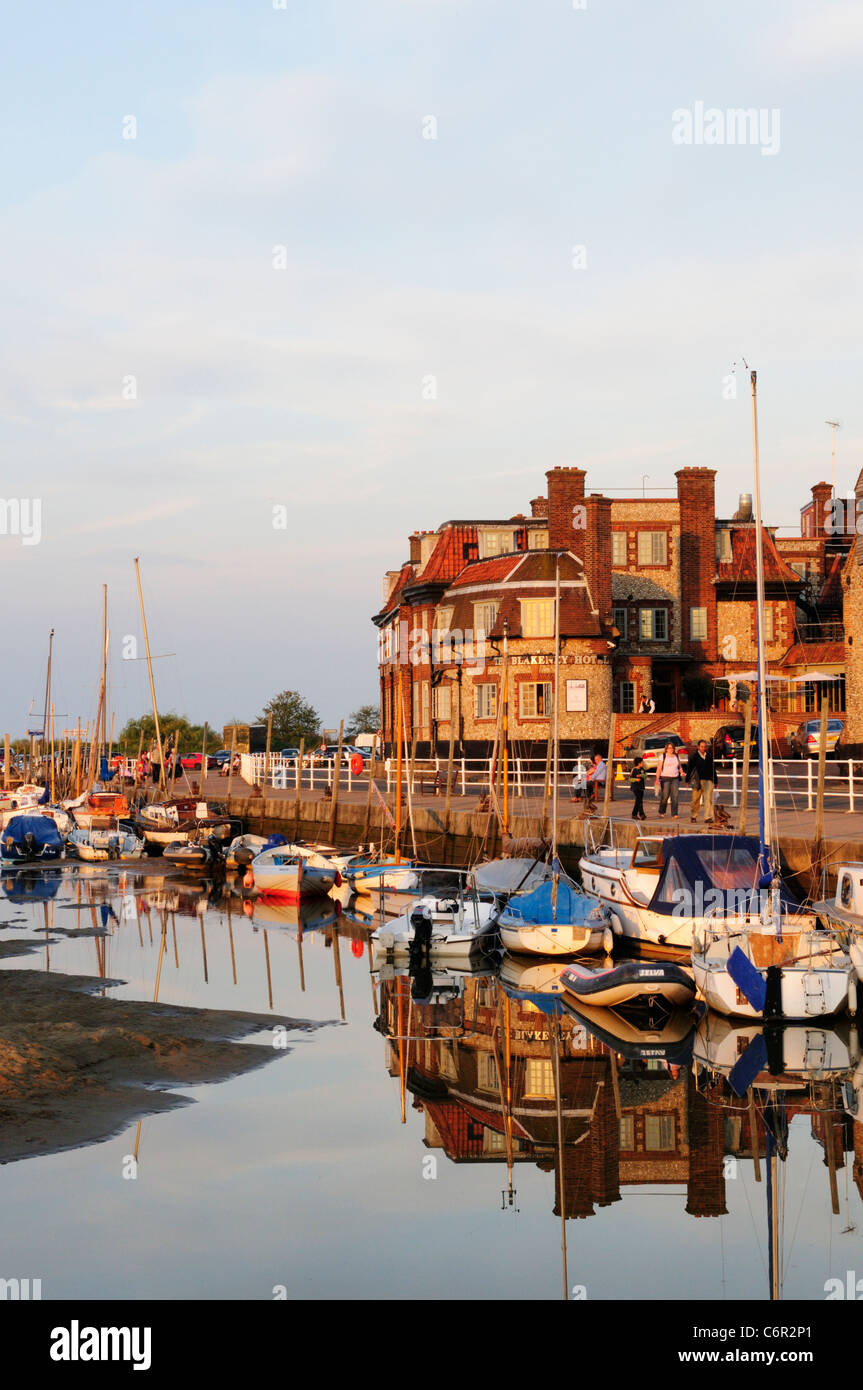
(406, 257)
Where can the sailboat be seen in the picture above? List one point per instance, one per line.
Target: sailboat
(774, 966)
(557, 918)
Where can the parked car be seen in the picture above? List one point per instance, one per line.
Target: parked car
(728, 741)
(805, 741)
(192, 761)
(291, 753)
(652, 746)
(223, 756)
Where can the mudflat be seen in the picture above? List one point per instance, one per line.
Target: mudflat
(76, 1067)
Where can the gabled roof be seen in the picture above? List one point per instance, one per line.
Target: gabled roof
(456, 546)
(742, 566)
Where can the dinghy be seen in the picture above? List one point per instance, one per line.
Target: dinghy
(244, 848)
(555, 919)
(29, 840)
(631, 984)
(659, 1037)
(200, 850)
(289, 876)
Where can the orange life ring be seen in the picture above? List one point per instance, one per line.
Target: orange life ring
(356, 764)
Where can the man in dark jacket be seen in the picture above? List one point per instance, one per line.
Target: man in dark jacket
(702, 778)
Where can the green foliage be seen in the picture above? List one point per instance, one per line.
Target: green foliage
(698, 691)
(365, 720)
(293, 719)
(191, 735)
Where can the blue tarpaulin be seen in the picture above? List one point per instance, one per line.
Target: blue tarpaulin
(573, 907)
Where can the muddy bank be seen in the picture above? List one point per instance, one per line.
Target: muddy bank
(76, 1068)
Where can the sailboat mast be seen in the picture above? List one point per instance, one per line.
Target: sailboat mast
(763, 735)
(150, 673)
(556, 701)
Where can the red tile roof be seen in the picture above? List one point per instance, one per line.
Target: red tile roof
(448, 557)
(488, 571)
(741, 567)
(405, 577)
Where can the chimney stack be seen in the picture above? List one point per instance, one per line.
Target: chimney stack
(597, 553)
(822, 496)
(565, 493)
(539, 506)
(696, 495)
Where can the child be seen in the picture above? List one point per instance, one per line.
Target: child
(637, 781)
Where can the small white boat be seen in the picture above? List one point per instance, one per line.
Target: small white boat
(367, 874)
(95, 846)
(761, 972)
(630, 984)
(243, 849)
(555, 919)
(785, 1057)
(289, 876)
(447, 925)
(845, 910)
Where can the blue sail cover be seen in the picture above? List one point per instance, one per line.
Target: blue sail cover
(45, 842)
(536, 908)
(698, 867)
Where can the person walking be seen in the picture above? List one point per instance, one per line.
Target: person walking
(669, 771)
(636, 781)
(701, 775)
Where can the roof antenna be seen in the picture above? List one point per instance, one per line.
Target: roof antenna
(834, 425)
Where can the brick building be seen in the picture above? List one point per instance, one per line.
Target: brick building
(657, 601)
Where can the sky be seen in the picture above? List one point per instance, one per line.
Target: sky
(380, 265)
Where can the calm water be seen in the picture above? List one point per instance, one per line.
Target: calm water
(303, 1174)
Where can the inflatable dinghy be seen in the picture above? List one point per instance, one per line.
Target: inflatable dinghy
(633, 984)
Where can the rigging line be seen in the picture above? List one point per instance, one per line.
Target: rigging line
(753, 1224)
(800, 1207)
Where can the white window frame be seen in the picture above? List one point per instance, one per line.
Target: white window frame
(658, 541)
(769, 623)
(480, 698)
(529, 709)
(653, 636)
(537, 617)
(627, 685)
(624, 626)
(698, 623)
(619, 543)
(497, 542)
(481, 612)
(443, 702)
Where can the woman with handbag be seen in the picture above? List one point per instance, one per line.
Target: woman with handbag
(669, 771)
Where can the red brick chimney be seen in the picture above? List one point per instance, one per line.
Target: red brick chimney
(696, 494)
(822, 495)
(539, 506)
(597, 552)
(565, 493)
(415, 541)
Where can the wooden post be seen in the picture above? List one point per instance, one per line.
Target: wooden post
(299, 788)
(744, 785)
(819, 795)
(449, 772)
(78, 759)
(203, 794)
(609, 767)
(7, 754)
(150, 674)
(337, 773)
(367, 820)
(545, 785)
(267, 754)
(231, 763)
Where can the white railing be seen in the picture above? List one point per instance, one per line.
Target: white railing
(794, 785)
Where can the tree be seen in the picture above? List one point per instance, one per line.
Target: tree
(293, 719)
(698, 691)
(191, 735)
(365, 720)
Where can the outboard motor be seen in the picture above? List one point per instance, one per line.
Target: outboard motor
(214, 845)
(421, 924)
(29, 845)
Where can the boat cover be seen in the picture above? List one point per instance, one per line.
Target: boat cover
(46, 837)
(511, 875)
(537, 907)
(698, 865)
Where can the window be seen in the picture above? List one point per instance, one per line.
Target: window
(485, 701)
(492, 1142)
(420, 704)
(653, 625)
(627, 1132)
(698, 624)
(487, 1071)
(426, 702)
(415, 705)
(484, 616)
(627, 697)
(652, 548)
(619, 617)
(659, 1133)
(537, 540)
(768, 624)
(442, 701)
(496, 543)
(448, 1066)
(723, 546)
(539, 1077)
(443, 619)
(799, 568)
(537, 617)
(618, 547)
(534, 699)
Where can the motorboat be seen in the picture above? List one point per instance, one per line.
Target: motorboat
(439, 924)
(768, 971)
(664, 887)
(29, 839)
(180, 819)
(197, 850)
(555, 919)
(95, 845)
(844, 910)
(99, 810)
